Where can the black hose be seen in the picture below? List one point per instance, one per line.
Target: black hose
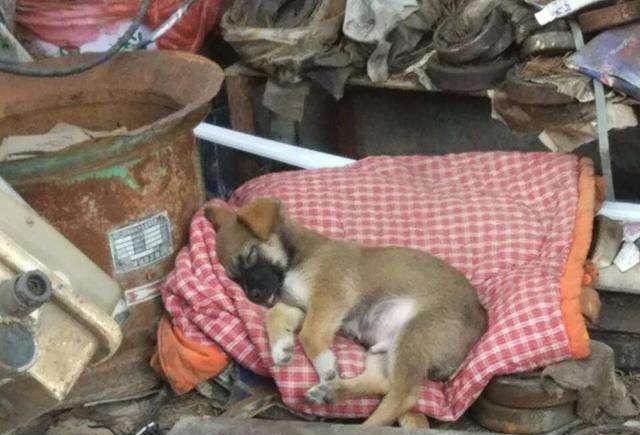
(23, 69)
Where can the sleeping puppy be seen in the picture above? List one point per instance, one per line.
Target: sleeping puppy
(418, 316)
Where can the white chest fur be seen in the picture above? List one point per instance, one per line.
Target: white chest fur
(296, 290)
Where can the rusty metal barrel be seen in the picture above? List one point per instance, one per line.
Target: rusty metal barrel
(124, 196)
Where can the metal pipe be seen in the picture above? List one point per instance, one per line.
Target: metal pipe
(309, 159)
(271, 149)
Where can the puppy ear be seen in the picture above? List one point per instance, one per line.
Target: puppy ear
(219, 216)
(260, 216)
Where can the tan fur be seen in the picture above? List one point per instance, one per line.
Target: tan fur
(413, 420)
(219, 216)
(282, 319)
(337, 282)
(260, 216)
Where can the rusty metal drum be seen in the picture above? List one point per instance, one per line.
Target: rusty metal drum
(124, 196)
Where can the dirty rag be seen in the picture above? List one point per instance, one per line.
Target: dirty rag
(561, 128)
(568, 137)
(390, 35)
(518, 225)
(600, 389)
(60, 137)
(370, 21)
(292, 42)
(184, 362)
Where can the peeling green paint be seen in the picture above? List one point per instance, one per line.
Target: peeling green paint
(118, 171)
(20, 171)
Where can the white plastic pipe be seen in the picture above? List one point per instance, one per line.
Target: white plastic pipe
(309, 159)
(271, 149)
(621, 211)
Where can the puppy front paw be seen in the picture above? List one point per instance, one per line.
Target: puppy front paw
(282, 350)
(326, 366)
(320, 394)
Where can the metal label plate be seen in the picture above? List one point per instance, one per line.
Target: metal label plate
(143, 293)
(141, 244)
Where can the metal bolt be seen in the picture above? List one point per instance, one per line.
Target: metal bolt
(24, 294)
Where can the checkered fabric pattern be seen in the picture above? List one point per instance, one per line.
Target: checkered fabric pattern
(504, 219)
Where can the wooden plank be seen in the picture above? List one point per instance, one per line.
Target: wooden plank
(239, 89)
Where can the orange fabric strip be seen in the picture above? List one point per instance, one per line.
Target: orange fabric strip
(572, 279)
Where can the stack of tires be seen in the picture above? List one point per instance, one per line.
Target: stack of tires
(519, 404)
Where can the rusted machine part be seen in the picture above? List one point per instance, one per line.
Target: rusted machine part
(614, 429)
(608, 17)
(17, 348)
(24, 294)
(69, 331)
(92, 318)
(108, 332)
(522, 421)
(524, 391)
(466, 51)
(523, 91)
(548, 44)
(125, 200)
(468, 78)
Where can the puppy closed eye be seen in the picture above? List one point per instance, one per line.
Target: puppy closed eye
(248, 260)
(234, 269)
(252, 257)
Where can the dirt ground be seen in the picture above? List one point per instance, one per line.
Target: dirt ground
(126, 418)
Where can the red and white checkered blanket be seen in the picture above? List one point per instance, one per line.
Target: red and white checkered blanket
(504, 219)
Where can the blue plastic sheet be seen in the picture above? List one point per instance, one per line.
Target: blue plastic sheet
(612, 57)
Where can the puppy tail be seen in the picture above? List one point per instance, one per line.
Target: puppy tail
(408, 364)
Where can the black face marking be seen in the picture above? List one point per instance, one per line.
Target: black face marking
(260, 279)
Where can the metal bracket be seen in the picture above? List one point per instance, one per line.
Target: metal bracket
(601, 119)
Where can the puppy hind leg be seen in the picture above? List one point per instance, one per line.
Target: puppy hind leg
(372, 381)
(413, 420)
(409, 363)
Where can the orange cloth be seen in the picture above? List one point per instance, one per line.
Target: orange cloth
(185, 363)
(576, 271)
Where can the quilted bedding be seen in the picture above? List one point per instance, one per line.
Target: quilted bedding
(518, 225)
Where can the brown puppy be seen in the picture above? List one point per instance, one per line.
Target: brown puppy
(418, 316)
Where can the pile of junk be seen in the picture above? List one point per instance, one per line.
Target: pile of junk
(116, 315)
(534, 59)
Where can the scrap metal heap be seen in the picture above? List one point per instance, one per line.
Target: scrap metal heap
(536, 78)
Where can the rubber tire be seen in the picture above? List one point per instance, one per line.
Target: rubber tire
(523, 392)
